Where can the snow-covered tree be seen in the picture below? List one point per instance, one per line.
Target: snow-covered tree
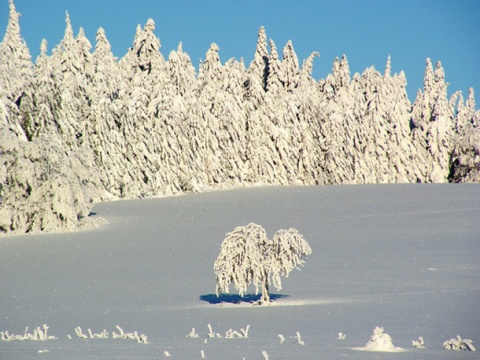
(248, 257)
(393, 156)
(69, 63)
(465, 159)
(46, 98)
(337, 125)
(380, 341)
(15, 60)
(433, 122)
(147, 157)
(106, 93)
(258, 68)
(459, 344)
(149, 126)
(287, 251)
(440, 131)
(45, 186)
(290, 70)
(16, 75)
(274, 84)
(144, 55)
(306, 79)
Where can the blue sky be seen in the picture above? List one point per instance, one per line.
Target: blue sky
(367, 31)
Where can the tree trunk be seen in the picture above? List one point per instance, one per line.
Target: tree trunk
(265, 292)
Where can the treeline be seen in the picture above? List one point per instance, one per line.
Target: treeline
(80, 126)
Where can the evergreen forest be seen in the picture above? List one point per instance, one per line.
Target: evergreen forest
(80, 126)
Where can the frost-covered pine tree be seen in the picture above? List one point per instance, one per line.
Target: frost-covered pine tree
(387, 115)
(258, 162)
(181, 72)
(258, 68)
(106, 91)
(306, 79)
(440, 131)
(16, 74)
(181, 124)
(433, 122)
(465, 159)
(15, 60)
(336, 116)
(274, 84)
(46, 97)
(69, 64)
(144, 71)
(247, 257)
(290, 69)
(207, 128)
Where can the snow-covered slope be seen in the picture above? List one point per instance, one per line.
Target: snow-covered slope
(401, 257)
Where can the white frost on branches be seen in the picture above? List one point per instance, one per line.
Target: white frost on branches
(39, 334)
(143, 125)
(459, 344)
(247, 257)
(380, 341)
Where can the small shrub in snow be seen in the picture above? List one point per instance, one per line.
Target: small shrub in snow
(140, 338)
(101, 335)
(298, 337)
(192, 334)
(211, 333)
(419, 344)
(243, 333)
(39, 334)
(230, 333)
(91, 334)
(79, 332)
(247, 256)
(459, 344)
(380, 341)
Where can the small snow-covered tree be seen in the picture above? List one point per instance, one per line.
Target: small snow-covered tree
(459, 344)
(247, 257)
(380, 341)
(241, 259)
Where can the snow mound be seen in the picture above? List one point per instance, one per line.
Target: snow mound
(380, 341)
(459, 344)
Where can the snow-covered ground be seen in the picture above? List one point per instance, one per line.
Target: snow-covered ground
(401, 257)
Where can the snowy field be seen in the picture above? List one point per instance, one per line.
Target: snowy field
(403, 257)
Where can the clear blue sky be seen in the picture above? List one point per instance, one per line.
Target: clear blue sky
(367, 31)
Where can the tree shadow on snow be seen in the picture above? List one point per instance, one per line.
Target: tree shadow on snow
(237, 299)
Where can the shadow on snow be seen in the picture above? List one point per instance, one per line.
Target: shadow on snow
(237, 299)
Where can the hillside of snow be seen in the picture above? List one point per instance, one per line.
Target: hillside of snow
(399, 257)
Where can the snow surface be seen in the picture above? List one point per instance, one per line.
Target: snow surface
(402, 257)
